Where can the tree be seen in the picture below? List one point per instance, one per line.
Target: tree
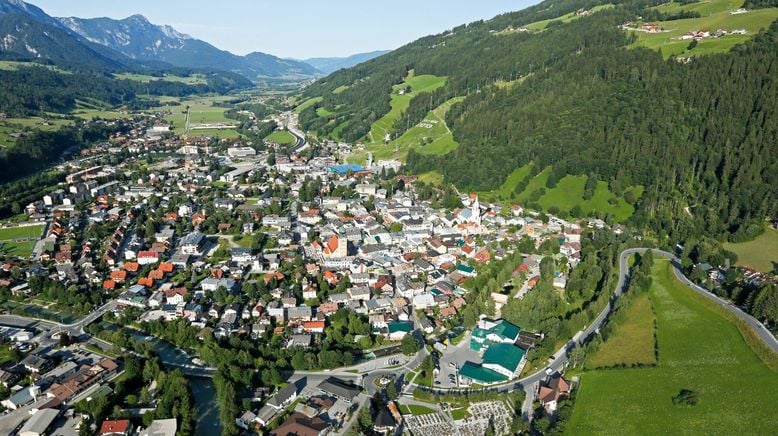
(391, 390)
(150, 230)
(409, 345)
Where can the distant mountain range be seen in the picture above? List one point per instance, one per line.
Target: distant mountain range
(330, 65)
(133, 43)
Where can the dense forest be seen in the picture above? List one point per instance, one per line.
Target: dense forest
(40, 148)
(699, 136)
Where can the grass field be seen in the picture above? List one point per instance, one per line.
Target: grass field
(203, 110)
(715, 14)
(418, 84)
(307, 103)
(281, 137)
(88, 114)
(431, 177)
(702, 347)
(632, 340)
(760, 253)
(215, 133)
(13, 233)
(16, 65)
(430, 136)
(414, 409)
(322, 112)
(567, 193)
(194, 79)
(541, 25)
(340, 89)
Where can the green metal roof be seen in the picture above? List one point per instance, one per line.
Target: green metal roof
(506, 329)
(479, 374)
(465, 268)
(506, 355)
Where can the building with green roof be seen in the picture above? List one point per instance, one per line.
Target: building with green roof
(506, 359)
(491, 332)
(502, 359)
(474, 373)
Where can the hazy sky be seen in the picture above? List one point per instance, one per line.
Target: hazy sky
(295, 28)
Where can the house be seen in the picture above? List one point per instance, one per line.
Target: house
(39, 423)
(300, 425)
(115, 427)
(193, 244)
(161, 427)
(313, 326)
(36, 364)
(241, 255)
(552, 392)
(284, 397)
(339, 389)
(335, 248)
(148, 257)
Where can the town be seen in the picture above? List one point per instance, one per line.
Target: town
(279, 245)
(359, 271)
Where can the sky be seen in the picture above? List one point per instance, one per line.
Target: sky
(296, 28)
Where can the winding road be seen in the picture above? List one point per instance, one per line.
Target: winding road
(560, 358)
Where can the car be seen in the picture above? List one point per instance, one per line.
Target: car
(437, 382)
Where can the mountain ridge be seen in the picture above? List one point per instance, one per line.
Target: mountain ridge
(329, 65)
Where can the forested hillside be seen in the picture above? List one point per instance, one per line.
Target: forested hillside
(699, 135)
(35, 89)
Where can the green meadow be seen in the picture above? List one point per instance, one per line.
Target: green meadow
(702, 348)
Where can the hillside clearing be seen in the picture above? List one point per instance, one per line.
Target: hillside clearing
(715, 14)
(760, 254)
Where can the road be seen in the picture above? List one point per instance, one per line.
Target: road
(560, 358)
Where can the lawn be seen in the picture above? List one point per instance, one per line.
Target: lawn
(702, 347)
(760, 253)
(340, 89)
(28, 232)
(508, 187)
(414, 409)
(281, 137)
(632, 340)
(715, 14)
(459, 414)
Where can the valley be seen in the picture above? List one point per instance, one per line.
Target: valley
(556, 220)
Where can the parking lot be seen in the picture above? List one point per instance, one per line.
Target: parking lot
(455, 355)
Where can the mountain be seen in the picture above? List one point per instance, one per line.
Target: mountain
(680, 131)
(24, 38)
(139, 39)
(330, 65)
(19, 7)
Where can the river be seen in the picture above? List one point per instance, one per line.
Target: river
(203, 390)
